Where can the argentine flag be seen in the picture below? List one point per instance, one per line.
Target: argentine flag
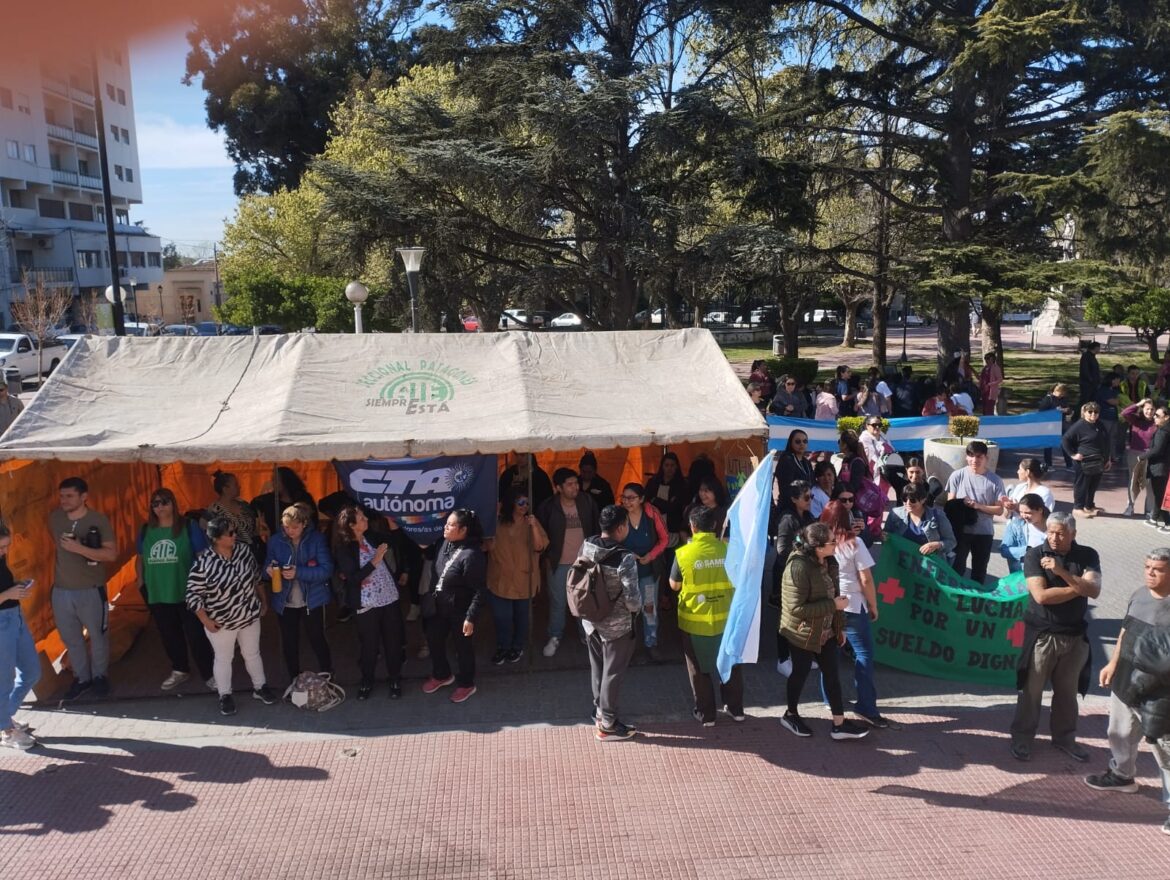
(748, 520)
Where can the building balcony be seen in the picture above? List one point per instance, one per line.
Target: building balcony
(59, 132)
(86, 140)
(57, 276)
(67, 177)
(81, 96)
(88, 182)
(56, 86)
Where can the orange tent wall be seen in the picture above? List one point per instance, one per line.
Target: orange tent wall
(28, 492)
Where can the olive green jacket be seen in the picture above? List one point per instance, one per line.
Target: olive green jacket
(807, 607)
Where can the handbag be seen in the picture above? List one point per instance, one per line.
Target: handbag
(315, 691)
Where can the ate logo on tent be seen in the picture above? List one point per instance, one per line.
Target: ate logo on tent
(412, 386)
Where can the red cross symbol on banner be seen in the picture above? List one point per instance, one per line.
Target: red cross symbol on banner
(1015, 635)
(891, 590)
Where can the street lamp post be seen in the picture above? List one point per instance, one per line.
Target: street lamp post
(161, 313)
(117, 298)
(357, 293)
(412, 259)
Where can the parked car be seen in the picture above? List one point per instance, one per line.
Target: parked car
(179, 330)
(20, 350)
(521, 319)
(470, 323)
(70, 339)
(1020, 317)
(568, 321)
(829, 317)
(717, 319)
(140, 328)
(207, 328)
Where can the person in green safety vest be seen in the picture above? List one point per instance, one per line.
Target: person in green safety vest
(705, 591)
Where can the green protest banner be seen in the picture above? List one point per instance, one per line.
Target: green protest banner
(935, 622)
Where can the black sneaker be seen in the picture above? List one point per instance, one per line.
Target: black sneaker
(1110, 781)
(499, 657)
(101, 686)
(618, 731)
(698, 716)
(395, 690)
(364, 691)
(848, 730)
(1021, 752)
(794, 724)
(876, 720)
(76, 690)
(264, 695)
(227, 705)
(513, 656)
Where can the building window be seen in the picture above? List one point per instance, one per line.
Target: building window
(15, 198)
(154, 260)
(110, 90)
(99, 214)
(30, 153)
(119, 173)
(138, 259)
(83, 167)
(80, 211)
(114, 131)
(129, 175)
(122, 215)
(122, 97)
(89, 259)
(23, 104)
(13, 150)
(125, 136)
(5, 98)
(52, 208)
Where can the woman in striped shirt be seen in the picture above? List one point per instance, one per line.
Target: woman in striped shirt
(224, 592)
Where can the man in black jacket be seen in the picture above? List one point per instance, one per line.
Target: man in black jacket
(1062, 576)
(1157, 459)
(568, 518)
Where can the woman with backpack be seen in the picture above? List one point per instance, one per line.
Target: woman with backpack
(371, 580)
(168, 543)
(452, 605)
(855, 476)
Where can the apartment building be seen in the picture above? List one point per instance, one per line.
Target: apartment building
(52, 222)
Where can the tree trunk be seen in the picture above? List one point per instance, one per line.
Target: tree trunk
(850, 340)
(991, 332)
(790, 328)
(954, 334)
(881, 325)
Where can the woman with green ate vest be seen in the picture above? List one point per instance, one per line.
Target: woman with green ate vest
(167, 546)
(705, 591)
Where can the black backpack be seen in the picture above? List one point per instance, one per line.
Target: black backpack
(586, 590)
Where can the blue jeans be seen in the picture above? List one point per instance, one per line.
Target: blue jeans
(860, 637)
(648, 586)
(511, 619)
(20, 667)
(558, 603)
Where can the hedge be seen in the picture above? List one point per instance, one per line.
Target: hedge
(855, 423)
(804, 369)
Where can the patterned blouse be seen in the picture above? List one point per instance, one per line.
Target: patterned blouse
(379, 588)
(225, 588)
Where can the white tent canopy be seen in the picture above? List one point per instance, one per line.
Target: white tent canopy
(313, 397)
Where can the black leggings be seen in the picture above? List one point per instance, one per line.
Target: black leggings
(290, 638)
(380, 628)
(802, 661)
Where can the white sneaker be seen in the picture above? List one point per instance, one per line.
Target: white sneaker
(551, 647)
(175, 679)
(412, 614)
(210, 684)
(15, 738)
(784, 667)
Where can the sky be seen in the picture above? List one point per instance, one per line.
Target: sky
(186, 174)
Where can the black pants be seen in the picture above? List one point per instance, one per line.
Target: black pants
(380, 628)
(448, 621)
(290, 638)
(802, 661)
(1159, 486)
(979, 549)
(703, 685)
(1084, 488)
(181, 630)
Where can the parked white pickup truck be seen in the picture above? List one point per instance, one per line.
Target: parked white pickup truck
(20, 350)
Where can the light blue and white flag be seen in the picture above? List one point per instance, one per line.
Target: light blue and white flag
(748, 520)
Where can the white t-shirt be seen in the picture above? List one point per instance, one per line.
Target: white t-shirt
(1019, 490)
(819, 500)
(964, 400)
(853, 558)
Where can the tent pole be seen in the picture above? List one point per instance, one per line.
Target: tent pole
(531, 549)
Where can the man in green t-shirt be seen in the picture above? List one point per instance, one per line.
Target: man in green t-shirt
(85, 543)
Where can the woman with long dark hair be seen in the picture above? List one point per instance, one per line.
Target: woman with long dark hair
(227, 504)
(812, 623)
(287, 489)
(646, 539)
(370, 578)
(459, 590)
(168, 544)
(513, 573)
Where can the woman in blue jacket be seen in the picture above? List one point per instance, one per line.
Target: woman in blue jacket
(301, 556)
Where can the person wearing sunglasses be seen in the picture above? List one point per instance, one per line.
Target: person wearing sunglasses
(788, 400)
(884, 461)
(813, 624)
(513, 573)
(646, 537)
(796, 501)
(168, 544)
(921, 524)
(224, 591)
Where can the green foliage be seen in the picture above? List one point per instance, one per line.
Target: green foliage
(273, 72)
(804, 370)
(856, 424)
(296, 303)
(963, 426)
